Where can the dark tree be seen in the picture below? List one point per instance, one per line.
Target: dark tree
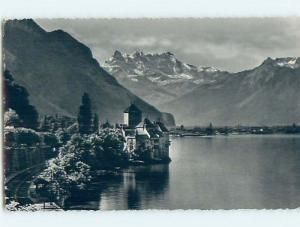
(95, 123)
(106, 125)
(45, 126)
(85, 115)
(16, 98)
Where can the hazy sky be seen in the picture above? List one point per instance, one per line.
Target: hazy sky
(229, 44)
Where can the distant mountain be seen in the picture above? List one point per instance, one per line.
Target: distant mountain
(159, 78)
(56, 70)
(266, 95)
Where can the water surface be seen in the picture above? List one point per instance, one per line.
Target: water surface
(221, 172)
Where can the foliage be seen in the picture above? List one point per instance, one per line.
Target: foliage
(11, 118)
(73, 129)
(95, 123)
(111, 145)
(62, 136)
(85, 115)
(143, 153)
(58, 181)
(49, 139)
(68, 172)
(15, 206)
(53, 123)
(16, 98)
(80, 157)
(106, 125)
(21, 136)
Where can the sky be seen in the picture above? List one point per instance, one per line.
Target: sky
(231, 44)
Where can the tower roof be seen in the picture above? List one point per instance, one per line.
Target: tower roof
(162, 126)
(151, 128)
(132, 108)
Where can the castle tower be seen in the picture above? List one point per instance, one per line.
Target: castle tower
(132, 116)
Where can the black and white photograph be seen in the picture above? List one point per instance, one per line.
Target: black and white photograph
(151, 113)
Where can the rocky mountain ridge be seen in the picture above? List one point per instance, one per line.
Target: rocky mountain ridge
(265, 94)
(162, 73)
(56, 70)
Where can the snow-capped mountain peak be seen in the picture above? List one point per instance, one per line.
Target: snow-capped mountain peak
(141, 71)
(207, 69)
(288, 62)
(117, 55)
(164, 65)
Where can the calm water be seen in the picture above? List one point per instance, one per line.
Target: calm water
(223, 172)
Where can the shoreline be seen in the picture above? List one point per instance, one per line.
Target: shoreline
(233, 134)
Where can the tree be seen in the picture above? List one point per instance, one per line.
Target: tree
(62, 136)
(85, 115)
(79, 159)
(21, 136)
(11, 118)
(45, 127)
(50, 139)
(95, 123)
(70, 170)
(16, 98)
(106, 125)
(109, 148)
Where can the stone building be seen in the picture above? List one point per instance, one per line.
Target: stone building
(132, 116)
(145, 139)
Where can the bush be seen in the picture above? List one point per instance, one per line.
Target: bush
(17, 98)
(73, 129)
(109, 147)
(62, 136)
(78, 159)
(49, 139)
(65, 175)
(15, 206)
(21, 136)
(11, 118)
(9, 136)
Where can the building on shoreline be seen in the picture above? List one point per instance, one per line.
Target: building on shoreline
(144, 138)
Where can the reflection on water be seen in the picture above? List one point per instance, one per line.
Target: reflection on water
(138, 186)
(226, 172)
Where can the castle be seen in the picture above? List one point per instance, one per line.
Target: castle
(146, 139)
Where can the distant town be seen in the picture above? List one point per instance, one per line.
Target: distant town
(211, 130)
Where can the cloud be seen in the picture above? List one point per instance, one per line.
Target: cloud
(232, 44)
(137, 42)
(140, 42)
(223, 50)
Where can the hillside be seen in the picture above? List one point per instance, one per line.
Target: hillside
(158, 78)
(56, 70)
(266, 95)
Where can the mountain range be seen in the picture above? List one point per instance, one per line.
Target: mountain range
(265, 95)
(159, 78)
(56, 70)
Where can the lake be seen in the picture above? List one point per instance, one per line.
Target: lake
(219, 172)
